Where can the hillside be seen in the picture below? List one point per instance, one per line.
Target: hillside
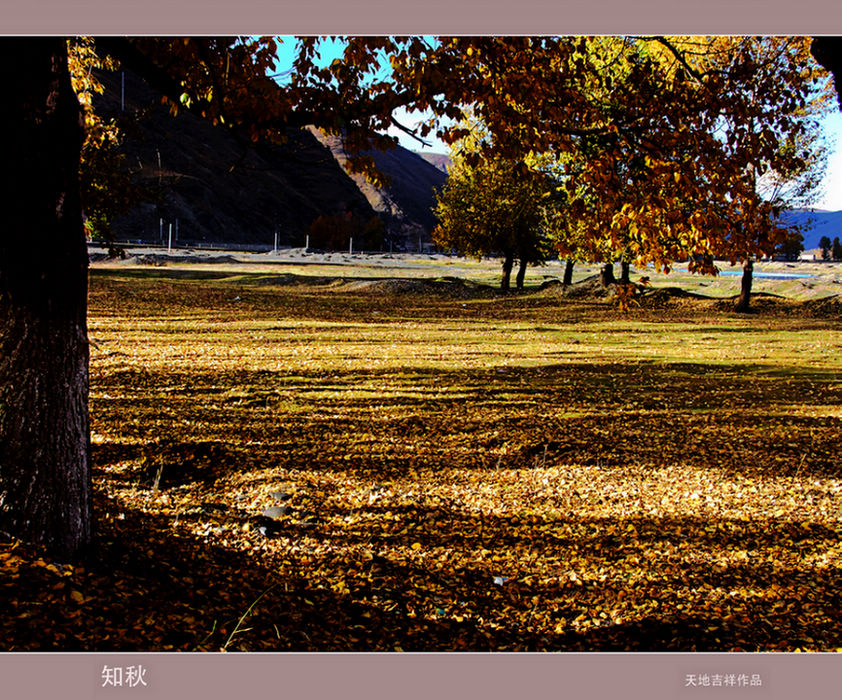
(815, 225)
(223, 189)
(406, 206)
(440, 160)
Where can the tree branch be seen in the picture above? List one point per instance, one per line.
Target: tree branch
(411, 132)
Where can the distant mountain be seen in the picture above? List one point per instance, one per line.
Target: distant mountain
(221, 188)
(440, 160)
(406, 205)
(815, 224)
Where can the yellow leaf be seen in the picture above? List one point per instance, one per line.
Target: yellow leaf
(416, 546)
(77, 597)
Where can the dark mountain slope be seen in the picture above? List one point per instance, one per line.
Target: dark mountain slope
(407, 204)
(222, 188)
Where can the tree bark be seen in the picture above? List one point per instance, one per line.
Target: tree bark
(521, 274)
(508, 263)
(568, 273)
(744, 303)
(606, 275)
(625, 268)
(45, 476)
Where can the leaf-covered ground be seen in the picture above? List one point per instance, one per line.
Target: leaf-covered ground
(450, 469)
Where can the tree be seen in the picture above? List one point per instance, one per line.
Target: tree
(45, 475)
(825, 245)
(763, 98)
(491, 206)
(45, 478)
(837, 249)
(107, 188)
(792, 245)
(773, 139)
(677, 145)
(827, 51)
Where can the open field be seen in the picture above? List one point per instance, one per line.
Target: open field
(451, 469)
(809, 280)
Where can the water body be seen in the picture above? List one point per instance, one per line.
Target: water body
(770, 275)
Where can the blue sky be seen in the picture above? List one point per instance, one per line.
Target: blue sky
(830, 199)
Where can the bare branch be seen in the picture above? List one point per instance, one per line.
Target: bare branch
(411, 132)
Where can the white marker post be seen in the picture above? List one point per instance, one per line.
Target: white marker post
(351, 247)
(169, 241)
(307, 242)
(276, 242)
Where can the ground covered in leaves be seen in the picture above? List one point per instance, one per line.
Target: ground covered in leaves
(347, 466)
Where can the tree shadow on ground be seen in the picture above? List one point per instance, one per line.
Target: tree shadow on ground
(733, 417)
(151, 586)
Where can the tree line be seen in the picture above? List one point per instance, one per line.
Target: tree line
(690, 149)
(831, 250)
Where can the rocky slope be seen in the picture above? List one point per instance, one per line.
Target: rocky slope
(216, 187)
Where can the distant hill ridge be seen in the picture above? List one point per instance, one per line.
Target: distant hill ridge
(221, 188)
(815, 223)
(441, 161)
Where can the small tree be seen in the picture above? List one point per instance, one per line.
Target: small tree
(825, 244)
(491, 206)
(837, 249)
(792, 245)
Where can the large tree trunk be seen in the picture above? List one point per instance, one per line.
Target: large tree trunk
(568, 273)
(744, 303)
(606, 275)
(625, 269)
(45, 479)
(508, 263)
(521, 274)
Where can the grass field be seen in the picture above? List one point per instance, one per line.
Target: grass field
(457, 470)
